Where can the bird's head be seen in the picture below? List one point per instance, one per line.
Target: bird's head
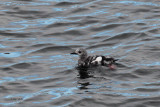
(80, 51)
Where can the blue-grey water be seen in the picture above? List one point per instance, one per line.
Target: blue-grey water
(36, 37)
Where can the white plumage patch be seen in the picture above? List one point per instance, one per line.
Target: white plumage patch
(98, 60)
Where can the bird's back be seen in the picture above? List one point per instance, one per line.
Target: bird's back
(96, 60)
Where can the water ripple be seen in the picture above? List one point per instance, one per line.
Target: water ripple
(137, 3)
(37, 37)
(56, 93)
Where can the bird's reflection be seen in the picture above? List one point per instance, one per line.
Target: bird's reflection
(83, 72)
(83, 86)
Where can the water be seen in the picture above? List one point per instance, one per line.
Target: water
(36, 37)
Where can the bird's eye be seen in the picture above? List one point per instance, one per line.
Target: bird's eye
(79, 52)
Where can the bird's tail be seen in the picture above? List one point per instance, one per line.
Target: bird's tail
(110, 59)
(114, 60)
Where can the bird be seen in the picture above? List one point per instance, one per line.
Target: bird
(95, 60)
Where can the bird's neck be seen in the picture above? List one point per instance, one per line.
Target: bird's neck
(83, 57)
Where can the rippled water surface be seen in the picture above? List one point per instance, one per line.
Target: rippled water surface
(36, 37)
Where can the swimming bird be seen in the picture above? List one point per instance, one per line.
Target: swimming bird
(89, 61)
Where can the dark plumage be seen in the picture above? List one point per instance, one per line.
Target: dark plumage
(88, 61)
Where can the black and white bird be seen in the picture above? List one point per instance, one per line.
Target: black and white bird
(88, 61)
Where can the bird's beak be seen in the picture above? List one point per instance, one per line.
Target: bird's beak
(74, 53)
